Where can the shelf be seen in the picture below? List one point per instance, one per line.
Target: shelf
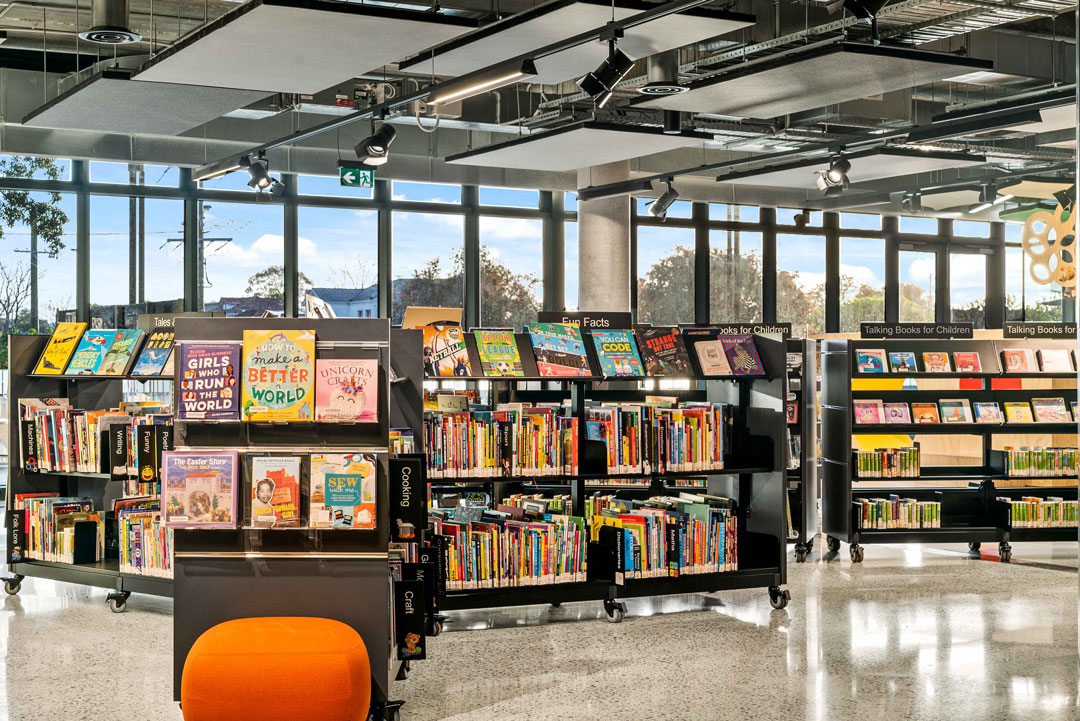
(965, 428)
(988, 474)
(862, 376)
(1019, 535)
(700, 582)
(593, 379)
(523, 595)
(43, 376)
(99, 476)
(956, 534)
(565, 478)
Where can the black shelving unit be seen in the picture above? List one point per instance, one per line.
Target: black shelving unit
(970, 514)
(802, 482)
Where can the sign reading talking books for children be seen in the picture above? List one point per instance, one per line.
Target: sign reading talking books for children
(279, 375)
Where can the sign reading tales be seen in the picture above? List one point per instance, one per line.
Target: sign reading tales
(916, 331)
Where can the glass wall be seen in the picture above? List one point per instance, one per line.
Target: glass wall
(429, 261)
(665, 275)
(917, 271)
(1026, 298)
(511, 265)
(967, 288)
(862, 282)
(570, 274)
(734, 276)
(242, 257)
(338, 251)
(800, 283)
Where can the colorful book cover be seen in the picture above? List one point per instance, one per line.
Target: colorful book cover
(903, 362)
(1018, 412)
(1018, 360)
(936, 362)
(118, 357)
(90, 353)
(558, 349)
(897, 413)
(617, 352)
(199, 488)
(712, 358)
(955, 411)
(791, 409)
(925, 413)
(869, 412)
(54, 359)
(1055, 360)
(1050, 410)
(155, 354)
(1072, 406)
(742, 355)
(872, 361)
(279, 375)
(967, 362)
(347, 390)
(663, 352)
(275, 491)
(445, 353)
(343, 488)
(498, 353)
(209, 380)
(987, 412)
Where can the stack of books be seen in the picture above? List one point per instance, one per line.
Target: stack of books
(1034, 512)
(888, 463)
(895, 512)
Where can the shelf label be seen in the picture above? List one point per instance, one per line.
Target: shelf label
(917, 331)
(587, 320)
(1039, 330)
(407, 499)
(410, 619)
(781, 329)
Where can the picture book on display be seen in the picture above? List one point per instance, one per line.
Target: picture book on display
(955, 410)
(54, 359)
(199, 488)
(967, 362)
(1072, 407)
(347, 391)
(558, 349)
(1018, 412)
(89, 355)
(663, 352)
(617, 353)
(987, 412)
(118, 356)
(936, 362)
(445, 353)
(712, 358)
(498, 353)
(897, 413)
(869, 412)
(925, 413)
(742, 355)
(343, 488)
(1050, 410)
(1019, 360)
(872, 361)
(903, 362)
(155, 354)
(791, 409)
(275, 491)
(209, 381)
(279, 375)
(1055, 360)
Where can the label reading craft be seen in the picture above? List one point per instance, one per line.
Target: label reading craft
(917, 331)
(1039, 330)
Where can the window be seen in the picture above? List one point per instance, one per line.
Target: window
(665, 274)
(1025, 298)
(511, 263)
(134, 174)
(922, 226)
(427, 192)
(18, 166)
(971, 229)
(860, 221)
(428, 261)
(570, 269)
(510, 197)
(329, 186)
(737, 213)
(236, 180)
(734, 276)
(570, 204)
(862, 282)
(339, 262)
(917, 272)
(678, 209)
(786, 216)
(800, 283)
(243, 252)
(967, 287)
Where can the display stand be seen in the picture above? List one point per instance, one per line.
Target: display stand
(802, 482)
(969, 514)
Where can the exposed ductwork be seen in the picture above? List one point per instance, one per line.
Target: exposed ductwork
(110, 19)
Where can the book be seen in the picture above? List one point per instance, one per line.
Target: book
(712, 358)
(955, 410)
(1072, 407)
(742, 355)
(925, 413)
(897, 413)
(90, 353)
(347, 390)
(54, 359)
(1050, 410)
(617, 353)
(209, 374)
(118, 357)
(155, 354)
(199, 488)
(888, 463)
(445, 353)
(663, 352)
(903, 362)
(558, 349)
(343, 488)
(871, 361)
(1018, 360)
(275, 491)
(967, 362)
(498, 353)
(279, 375)
(1018, 412)
(1055, 360)
(791, 409)
(987, 412)
(869, 412)
(936, 362)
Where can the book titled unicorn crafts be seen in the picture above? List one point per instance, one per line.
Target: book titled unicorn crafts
(347, 391)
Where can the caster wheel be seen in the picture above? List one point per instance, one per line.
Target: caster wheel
(778, 597)
(12, 586)
(394, 715)
(1006, 556)
(403, 672)
(856, 554)
(436, 629)
(810, 545)
(800, 556)
(833, 543)
(615, 615)
(974, 546)
(117, 605)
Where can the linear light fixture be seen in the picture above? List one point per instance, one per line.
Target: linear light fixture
(476, 83)
(626, 187)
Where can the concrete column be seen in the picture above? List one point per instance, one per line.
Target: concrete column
(604, 243)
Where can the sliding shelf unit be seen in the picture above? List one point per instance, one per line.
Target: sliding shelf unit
(802, 481)
(754, 477)
(969, 513)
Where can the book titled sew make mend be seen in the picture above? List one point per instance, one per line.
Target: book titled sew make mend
(279, 375)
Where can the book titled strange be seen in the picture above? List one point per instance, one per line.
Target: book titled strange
(57, 353)
(198, 489)
(663, 352)
(275, 491)
(347, 391)
(279, 375)
(617, 352)
(342, 491)
(209, 380)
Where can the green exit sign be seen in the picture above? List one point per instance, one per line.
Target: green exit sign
(357, 177)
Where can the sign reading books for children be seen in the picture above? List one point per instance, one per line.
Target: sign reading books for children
(279, 375)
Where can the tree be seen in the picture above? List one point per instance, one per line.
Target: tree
(270, 283)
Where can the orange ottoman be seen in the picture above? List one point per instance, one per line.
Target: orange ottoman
(277, 668)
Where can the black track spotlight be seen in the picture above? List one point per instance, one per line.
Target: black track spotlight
(1066, 198)
(862, 9)
(600, 83)
(260, 174)
(375, 149)
(802, 219)
(912, 203)
(988, 198)
(834, 180)
(659, 207)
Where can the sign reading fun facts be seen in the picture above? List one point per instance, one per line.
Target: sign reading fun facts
(209, 380)
(279, 375)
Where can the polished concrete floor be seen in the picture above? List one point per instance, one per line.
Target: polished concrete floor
(911, 633)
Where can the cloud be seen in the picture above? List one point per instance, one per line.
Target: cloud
(266, 250)
(492, 228)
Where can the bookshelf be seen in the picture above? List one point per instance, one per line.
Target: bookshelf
(802, 481)
(968, 493)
